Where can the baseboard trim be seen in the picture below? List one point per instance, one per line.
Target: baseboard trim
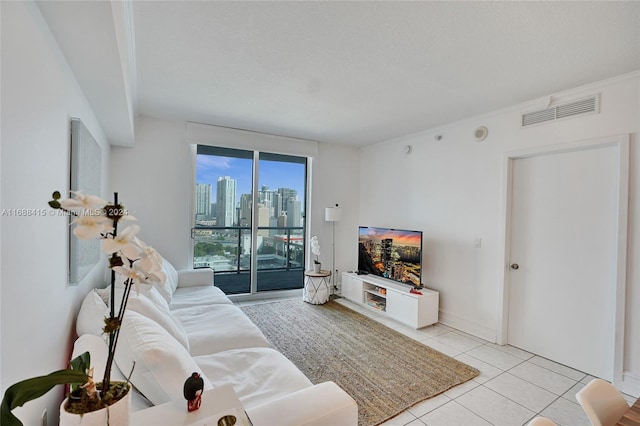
(630, 384)
(468, 326)
(263, 295)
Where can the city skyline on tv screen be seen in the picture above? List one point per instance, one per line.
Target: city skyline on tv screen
(391, 253)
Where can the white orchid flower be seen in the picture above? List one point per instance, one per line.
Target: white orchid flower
(157, 277)
(133, 274)
(315, 245)
(122, 243)
(90, 227)
(150, 259)
(84, 202)
(138, 275)
(128, 217)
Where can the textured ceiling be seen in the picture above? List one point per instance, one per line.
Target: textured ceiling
(362, 72)
(354, 72)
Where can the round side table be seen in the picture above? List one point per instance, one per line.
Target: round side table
(316, 287)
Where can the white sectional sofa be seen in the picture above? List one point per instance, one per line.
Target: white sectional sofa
(190, 325)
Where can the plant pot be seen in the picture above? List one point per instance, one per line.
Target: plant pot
(115, 414)
(316, 267)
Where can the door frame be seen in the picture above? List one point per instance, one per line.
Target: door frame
(621, 143)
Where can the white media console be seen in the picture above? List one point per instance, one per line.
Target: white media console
(395, 300)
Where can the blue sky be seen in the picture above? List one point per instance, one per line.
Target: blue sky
(274, 174)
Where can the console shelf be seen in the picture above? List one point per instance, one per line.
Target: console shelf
(395, 300)
(375, 296)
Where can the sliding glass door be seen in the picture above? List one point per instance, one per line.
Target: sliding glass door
(280, 214)
(249, 219)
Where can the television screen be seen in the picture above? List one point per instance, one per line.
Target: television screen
(391, 253)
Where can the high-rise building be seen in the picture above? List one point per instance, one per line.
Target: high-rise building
(245, 209)
(286, 194)
(203, 199)
(226, 202)
(269, 199)
(282, 220)
(278, 209)
(263, 219)
(294, 213)
(265, 194)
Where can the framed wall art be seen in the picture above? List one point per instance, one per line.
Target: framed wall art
(85, 176)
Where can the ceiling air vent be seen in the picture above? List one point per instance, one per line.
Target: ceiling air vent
(587, 105)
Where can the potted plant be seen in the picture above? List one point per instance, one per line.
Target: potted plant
(127, 256)
(315, 249)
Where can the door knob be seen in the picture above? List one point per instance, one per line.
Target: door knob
(514, 266)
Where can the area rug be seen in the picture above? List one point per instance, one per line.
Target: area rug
(385, 371)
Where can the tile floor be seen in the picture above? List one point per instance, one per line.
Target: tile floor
(513, 387)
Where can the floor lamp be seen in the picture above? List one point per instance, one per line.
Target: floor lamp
(333, 215)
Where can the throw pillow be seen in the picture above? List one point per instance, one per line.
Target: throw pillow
(162, 364)
(152, 293)
(90, 319)
(147, 290)
(171, 284)
(164, 318)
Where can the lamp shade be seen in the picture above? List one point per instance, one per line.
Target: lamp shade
(333, 214)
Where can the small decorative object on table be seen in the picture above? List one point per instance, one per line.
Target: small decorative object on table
(315, 249)
(228, 420)
(193, 388)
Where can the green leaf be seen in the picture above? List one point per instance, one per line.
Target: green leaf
(81, 363)
(30, 389)
(54, 204)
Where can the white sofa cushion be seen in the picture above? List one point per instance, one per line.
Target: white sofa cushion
(149, 291)
(257, 375)
(153, 294)
(195, 277)
(162, 364)
(186, 297)
(148, 302)
(104, 294)
(318, 405)
(142, 305)
(90, 319)
(218, 328)
(171, 284)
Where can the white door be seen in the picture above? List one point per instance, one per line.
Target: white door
(564, 214)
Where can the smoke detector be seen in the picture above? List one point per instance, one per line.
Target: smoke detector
(480, 133)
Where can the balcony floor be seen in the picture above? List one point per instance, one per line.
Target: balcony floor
(239, 283)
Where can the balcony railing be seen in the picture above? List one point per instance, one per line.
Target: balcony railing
(280, 256)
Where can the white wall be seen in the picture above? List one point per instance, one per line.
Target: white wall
(154, 181)
(38, 309)
(335, 180)
(450, 189)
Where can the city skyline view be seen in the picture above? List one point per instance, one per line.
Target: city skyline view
(272, 174)
(226, 210)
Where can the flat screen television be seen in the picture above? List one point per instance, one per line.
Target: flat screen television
(391, 253)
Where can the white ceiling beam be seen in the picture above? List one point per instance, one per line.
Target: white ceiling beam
(96, 38)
